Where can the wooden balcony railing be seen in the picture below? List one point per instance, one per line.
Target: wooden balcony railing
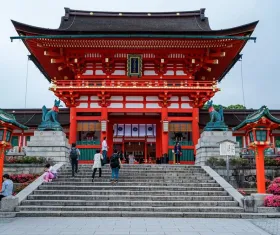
(128, 84)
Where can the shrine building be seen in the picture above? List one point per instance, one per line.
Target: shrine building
(136, 78)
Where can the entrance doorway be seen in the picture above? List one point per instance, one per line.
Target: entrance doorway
(137, 149)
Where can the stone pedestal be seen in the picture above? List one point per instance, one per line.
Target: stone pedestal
(50, 145)
(208, 146)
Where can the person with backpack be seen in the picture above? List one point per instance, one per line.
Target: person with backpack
(97, 163)
(74, 158)
(115, 164)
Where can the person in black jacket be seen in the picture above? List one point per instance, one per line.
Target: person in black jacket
(178, 152)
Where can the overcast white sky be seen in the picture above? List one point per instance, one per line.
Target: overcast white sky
(260, 60)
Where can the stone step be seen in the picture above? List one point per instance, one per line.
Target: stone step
(153, 173)
(120, 183)
(130, 203)
(140, 209)
(129, 198)
(127, 214)
(135, 179)
(130, 188)
(132, 181)
(144, 173)
(129, 169)
(121, 192)
(141, 166)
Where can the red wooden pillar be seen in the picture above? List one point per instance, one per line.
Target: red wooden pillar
(260, 169)
(110, 138)
(104, 117)
(2, 155)
(195, 127)
(164, 137)
(158, 139)
(73, 125)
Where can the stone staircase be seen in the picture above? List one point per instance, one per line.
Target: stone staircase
(142, 191)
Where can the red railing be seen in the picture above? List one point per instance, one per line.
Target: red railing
(135, 84)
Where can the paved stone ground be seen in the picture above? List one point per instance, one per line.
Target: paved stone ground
(272, 226)
(135, 226)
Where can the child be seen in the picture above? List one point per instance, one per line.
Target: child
(48, 175)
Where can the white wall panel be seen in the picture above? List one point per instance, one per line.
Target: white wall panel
(83, 105)
(116, 98)
(115, 105)
(185, 98)
(134, 98)
(174, 98)
(174, 106)
(94, 105)
(83, 98)
(94, 98)
(152, 105)
(185, 106)
(152, 98)
(136, 105)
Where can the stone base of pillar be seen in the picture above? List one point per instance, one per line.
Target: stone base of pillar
(52, 145)
(208, 146)
(253, 202)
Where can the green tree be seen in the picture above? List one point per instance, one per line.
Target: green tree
(236, 106)
(232, 106)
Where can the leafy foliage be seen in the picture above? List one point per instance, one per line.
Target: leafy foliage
(274, 188)
(272, 201)
(239, 162)
(233, 106)
(23, 178)
(25, 160)
(213, 161)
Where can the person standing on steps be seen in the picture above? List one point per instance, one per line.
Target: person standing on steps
(178, 152)
(74, 158)
(97, 163)
(104, 150)
(115, 164)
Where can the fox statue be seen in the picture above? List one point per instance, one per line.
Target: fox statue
(51, 115)
(215, 116)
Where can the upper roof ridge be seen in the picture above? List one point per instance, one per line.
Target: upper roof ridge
(198, 13)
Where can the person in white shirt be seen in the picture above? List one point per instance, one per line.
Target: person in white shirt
(104, 150)
(97, 163)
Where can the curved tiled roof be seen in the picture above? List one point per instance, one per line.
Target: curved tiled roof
(254, 117)
(9, 118)
(93, 22)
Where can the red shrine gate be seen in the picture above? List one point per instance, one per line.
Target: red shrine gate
(137, 78)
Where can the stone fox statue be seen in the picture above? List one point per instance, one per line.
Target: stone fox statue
(215, 116)
(51, 115)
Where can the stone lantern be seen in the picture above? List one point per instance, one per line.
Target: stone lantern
(258, 131)
(8, 124)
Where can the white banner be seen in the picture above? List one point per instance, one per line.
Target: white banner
(135, 130)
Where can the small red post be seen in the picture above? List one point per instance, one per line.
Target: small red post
(73, 126)
(104, 117)
(2, 155)
(164, 140)
(195, 127)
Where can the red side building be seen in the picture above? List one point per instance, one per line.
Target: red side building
(136, 78)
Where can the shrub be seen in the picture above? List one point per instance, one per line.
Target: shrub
(21, 187)
(26, 160)
(213, 161)
(272, 201)
(239, 162)
(23, 178)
